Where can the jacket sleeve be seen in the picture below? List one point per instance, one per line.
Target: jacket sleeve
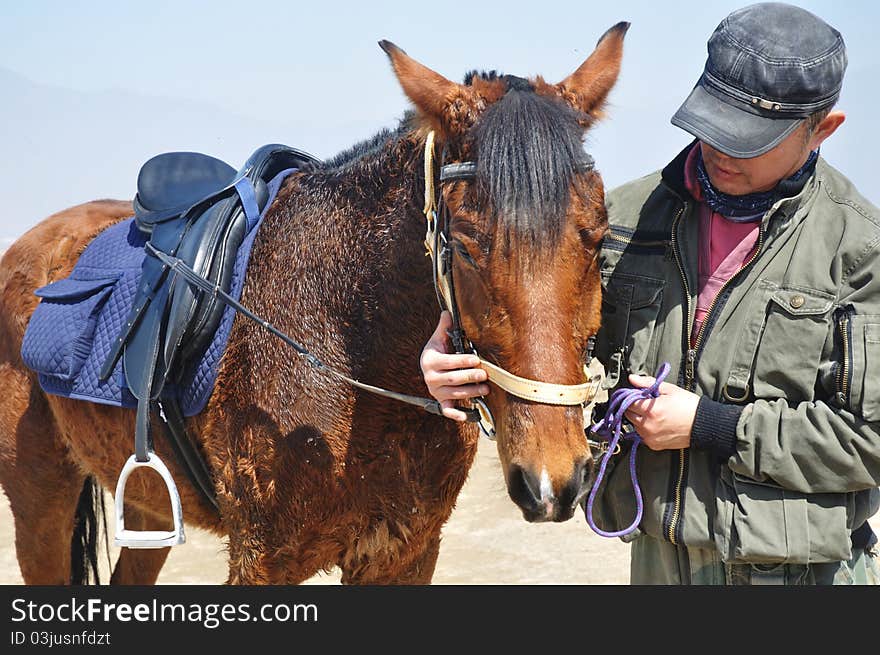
(829, 445)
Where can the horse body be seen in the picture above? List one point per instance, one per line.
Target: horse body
(294, 451)
(309, 472)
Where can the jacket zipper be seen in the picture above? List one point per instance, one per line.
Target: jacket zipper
(844, 372)
(616, 241)
(691, 360)
(689, 370)
(629, 240)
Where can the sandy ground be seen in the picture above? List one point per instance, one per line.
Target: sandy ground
(486, 541)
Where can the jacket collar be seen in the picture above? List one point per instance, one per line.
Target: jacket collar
(673, 178)
(673, 174)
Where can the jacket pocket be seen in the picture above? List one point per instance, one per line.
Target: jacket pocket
(60, 332)
(871, 385)
(862, 393)
(627, 339)
(762, 522)
(790, 347)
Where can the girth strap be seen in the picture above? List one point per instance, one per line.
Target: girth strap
(192, 462)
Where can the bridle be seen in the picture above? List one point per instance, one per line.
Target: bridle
(437, 244)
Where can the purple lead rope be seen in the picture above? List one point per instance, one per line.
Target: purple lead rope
(612, 423)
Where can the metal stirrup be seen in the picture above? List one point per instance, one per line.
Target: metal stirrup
(148, 538)
(145, 457)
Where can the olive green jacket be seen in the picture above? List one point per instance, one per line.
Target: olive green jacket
(793, 338)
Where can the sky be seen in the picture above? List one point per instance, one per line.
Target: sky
(90, 90)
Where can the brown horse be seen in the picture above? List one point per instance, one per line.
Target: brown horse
(309, 472)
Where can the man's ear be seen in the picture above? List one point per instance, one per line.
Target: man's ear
(826, 127)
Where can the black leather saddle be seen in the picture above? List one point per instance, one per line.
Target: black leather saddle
(199, 209)
(192, 207)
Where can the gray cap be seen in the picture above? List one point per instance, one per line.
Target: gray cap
(770, 66)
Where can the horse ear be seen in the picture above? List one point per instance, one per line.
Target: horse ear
(430, 92)
(588, 87)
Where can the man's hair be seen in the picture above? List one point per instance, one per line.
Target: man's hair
(812, 122)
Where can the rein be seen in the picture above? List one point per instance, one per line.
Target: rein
(179, 267)
(437, 246)
(613, 423)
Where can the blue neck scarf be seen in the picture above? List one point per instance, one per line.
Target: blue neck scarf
(752, 206)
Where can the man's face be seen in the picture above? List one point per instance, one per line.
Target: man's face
(738, 177)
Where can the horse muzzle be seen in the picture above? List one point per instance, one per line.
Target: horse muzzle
(535, 496)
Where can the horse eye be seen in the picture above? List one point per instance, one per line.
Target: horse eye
(464, 254)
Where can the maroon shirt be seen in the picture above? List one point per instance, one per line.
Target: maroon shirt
(725, 246)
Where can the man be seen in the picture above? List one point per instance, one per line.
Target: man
(748, 264)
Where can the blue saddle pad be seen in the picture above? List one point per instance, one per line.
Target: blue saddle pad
(70, 333)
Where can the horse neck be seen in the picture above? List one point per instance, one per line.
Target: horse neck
(400, 292)
(377, 293)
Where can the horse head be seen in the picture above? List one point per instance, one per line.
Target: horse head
(523, 233)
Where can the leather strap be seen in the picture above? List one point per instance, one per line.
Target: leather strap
(179, 267)
(467, 170)
(540, 392)
(463, 171)
(190, 459)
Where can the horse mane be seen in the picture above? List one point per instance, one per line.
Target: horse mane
(527, 149)
(370, 146)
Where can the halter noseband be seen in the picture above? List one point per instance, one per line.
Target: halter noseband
(436, 244)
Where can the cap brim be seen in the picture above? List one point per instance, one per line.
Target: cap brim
(734, 131)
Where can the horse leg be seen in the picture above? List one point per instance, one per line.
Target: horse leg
(42, 483)
(252, 561)
(413, 567)
(43, 512)
(140, 566)
(420, 570)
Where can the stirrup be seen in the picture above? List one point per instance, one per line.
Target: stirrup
(148, 538)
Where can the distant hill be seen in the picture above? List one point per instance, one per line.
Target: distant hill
(60, 147)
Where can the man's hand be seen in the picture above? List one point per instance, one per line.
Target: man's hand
(450, 377)
(665, 422)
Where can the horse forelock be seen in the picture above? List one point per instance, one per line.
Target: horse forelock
(528, 147)
(511, 81)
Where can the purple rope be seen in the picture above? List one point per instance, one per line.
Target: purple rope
(613, 422)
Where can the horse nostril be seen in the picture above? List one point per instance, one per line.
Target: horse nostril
(587, 470)
(536, 498)
(523, 488)
(578, 485)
